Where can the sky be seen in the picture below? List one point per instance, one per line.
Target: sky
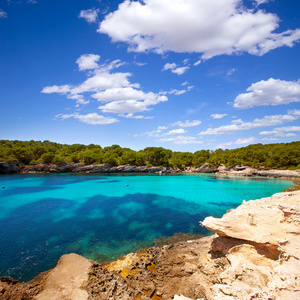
(184, 75)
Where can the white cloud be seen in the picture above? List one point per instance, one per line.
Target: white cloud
(169, 66)
(91, 119)
(181, 140)
(174, 69)
(177, 92)
(218, 116)
(3, 14)
(230, 72)
(258, 2)
(237, 121)
(122, 93)
(257, 123)
(130, 106)
(270, 92)
(282, 131)
(295, 112)
(90, 15)
(127, 100)
(214, 27)
(113, 88)
(176, 131)
(180, 70)
(88, 61)
(60, 89)
(245, 141)
(187, 123)
(185, 83)
(132, 116)
(162, 128)
(140, 64)
(198, 62)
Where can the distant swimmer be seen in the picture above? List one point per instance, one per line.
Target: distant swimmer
(3, 187)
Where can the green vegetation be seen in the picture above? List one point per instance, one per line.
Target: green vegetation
(272, 156)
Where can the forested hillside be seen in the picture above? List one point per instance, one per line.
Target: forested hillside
(272, 156)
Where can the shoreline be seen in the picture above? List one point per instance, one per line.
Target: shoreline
(256, 257)
(206, 169)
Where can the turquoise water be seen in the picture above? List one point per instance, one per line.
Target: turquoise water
(106, 216)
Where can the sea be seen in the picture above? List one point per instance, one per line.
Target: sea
(105, 216)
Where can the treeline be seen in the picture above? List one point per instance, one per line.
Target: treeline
(272, 156)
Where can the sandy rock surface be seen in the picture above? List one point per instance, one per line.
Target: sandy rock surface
(267, 264)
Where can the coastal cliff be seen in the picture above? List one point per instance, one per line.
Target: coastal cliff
(254, 254)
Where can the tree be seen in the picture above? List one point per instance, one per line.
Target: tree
(47, 158)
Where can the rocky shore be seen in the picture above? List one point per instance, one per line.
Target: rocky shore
(82, 168)
(254, 254)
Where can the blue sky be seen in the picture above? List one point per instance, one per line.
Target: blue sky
(183, 75)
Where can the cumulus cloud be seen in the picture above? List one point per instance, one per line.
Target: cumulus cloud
(90, 15)
(295, 112)
(113, 89)
(3, 14)
(257, 123)
(187, 123)
(218, 116)
(91, 119)
(130, 106)
(212, 28)
(176, 131)
(245, 141)
(88, 61)
(175, 69)
(270, 92)
(282, 131)
(181, 140)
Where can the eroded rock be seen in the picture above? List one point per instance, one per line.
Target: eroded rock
(266, 264)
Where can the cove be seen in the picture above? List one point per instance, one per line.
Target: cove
(105, 216)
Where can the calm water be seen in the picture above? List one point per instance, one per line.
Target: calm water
(105, 216)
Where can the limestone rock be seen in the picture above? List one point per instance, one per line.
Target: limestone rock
(264, 253)
(248, 171)
(206, 169)
(65, 280)
(82, 168)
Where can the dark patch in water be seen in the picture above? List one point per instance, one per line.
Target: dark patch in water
(34, 240)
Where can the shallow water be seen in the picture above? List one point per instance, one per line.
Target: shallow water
(105, 216)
